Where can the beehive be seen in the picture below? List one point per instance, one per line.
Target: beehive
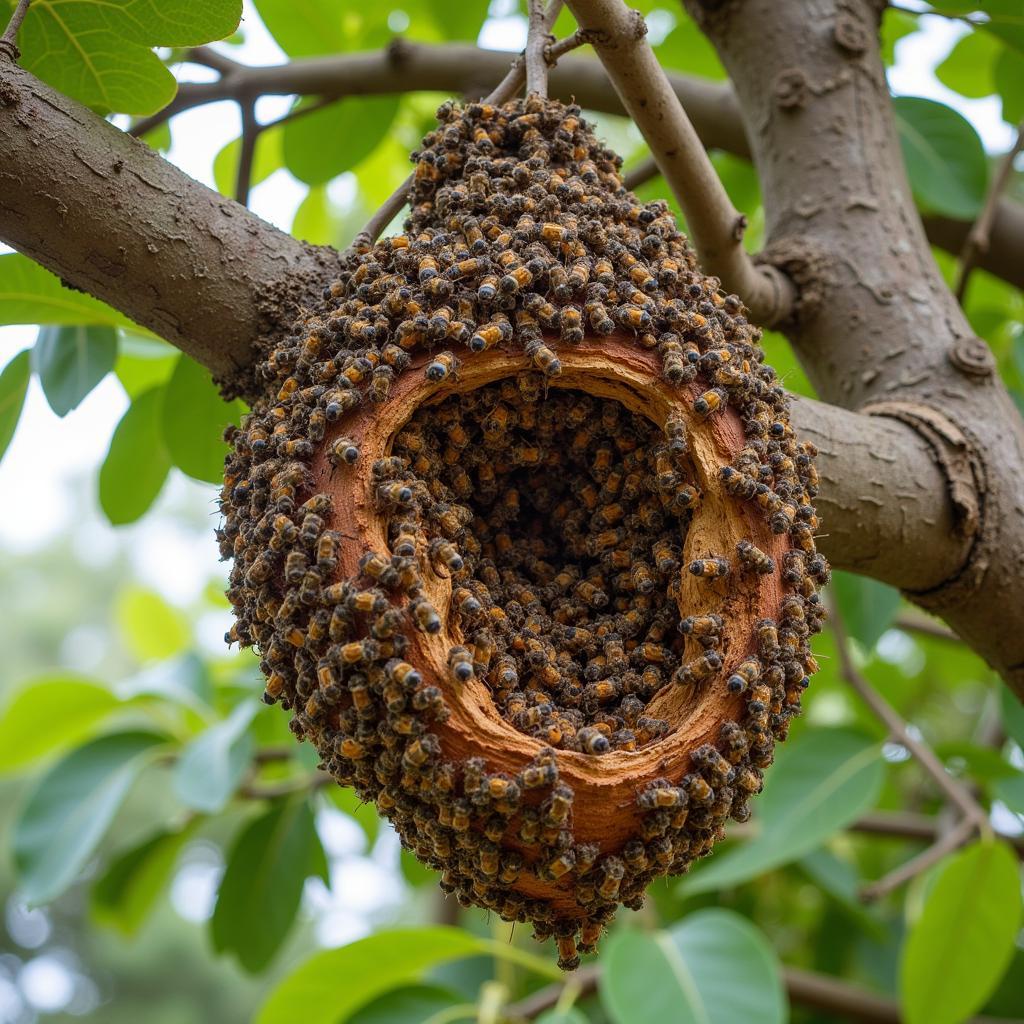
(522, 533)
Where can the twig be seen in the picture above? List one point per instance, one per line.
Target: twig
(307, 783)
(560, 47)
(716, 227)
(978, 238)
(536, 41)
(9, 40)
(952, 839)
(247, 152)
(642, 173)
(882, 710)
(913, 624)
(808, 988)
(505, 90)
(207, 57)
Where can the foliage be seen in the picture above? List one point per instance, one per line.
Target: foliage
(126, 775)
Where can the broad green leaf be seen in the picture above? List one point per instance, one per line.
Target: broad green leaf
(13, 388)
(687, 49)
(959, 947)
(182, 680)
(193, 418)
(896, 25)
(330, 986)
(410, 1004)
(838, 879)
(556, 1016)
(867, 606)
(1010, 790)
(317, 220)
(1009, 82)
(30, 294)
(69, 811)
(151, 629)
(267, 158)
(212, 765)
(99, 53)
(714, 967)
(822, 781)
(125, 894)
(308, 28)
(321, 145)
(50, 714)
(143, 363)
(1012, 711)
(137, 463)
(262, 886)
(968, 69)
(364, 814)
(71, 361)
(459, 21)
(944, 157)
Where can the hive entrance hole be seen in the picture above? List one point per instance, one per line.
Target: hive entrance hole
(560, 518)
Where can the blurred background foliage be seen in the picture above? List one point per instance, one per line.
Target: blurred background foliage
(172, 855)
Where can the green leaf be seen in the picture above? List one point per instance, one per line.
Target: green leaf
(410, 1004)
(124, 895)
(193, 418)
(867, 606)
(968, 69)
(895, 26)
(317, 220)
(330, 986)
(1011, 791)
(143, 363)
(687, 49)
(13, 388)
(151, 629)
(71, 361)
(556, 1016)
(823, 780)
(944, 157)
(459, 21)
(30, 294)
(267, 158)
(183, 680)
(50, 714)
(308, 28)
(321, 145)
(1012, 711)
(137, 463)
(1008, 76)
(67, 814)
(262, 886)
(212, 765)
(959, 947)
(714, 967)
(99, 53)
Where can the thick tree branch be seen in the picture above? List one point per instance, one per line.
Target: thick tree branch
(716, 227)
(876, 328)
(463, 68)
(113, 218)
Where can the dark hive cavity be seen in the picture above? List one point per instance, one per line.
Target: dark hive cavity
(522, 534)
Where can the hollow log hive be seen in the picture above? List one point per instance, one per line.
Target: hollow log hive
(522, 533)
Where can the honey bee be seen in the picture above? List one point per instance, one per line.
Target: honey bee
(460, 664)
(698, 670)
(709, 402)
(754, 558)
(709, 568)
(441, 367)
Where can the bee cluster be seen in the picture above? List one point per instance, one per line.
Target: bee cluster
(559, 518)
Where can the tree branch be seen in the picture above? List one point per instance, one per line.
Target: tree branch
(462, 68)
(876, 328)
(113, 218)
(9, 40)
(247, 151)
(715, 226)
(536, 41)
(977, 240)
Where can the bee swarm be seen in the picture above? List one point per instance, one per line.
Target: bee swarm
(522, 534)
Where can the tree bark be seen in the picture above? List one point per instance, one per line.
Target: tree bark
(111, 217)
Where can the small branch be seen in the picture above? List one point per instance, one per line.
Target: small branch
(536, 41)
(884, 711)
(9, 40)
(207, 57)
(914, 624)
(716, 227)
(247, 152)
(644, 172)
(979, 237)
(554, 50)
(946, 843)
(287, 788)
